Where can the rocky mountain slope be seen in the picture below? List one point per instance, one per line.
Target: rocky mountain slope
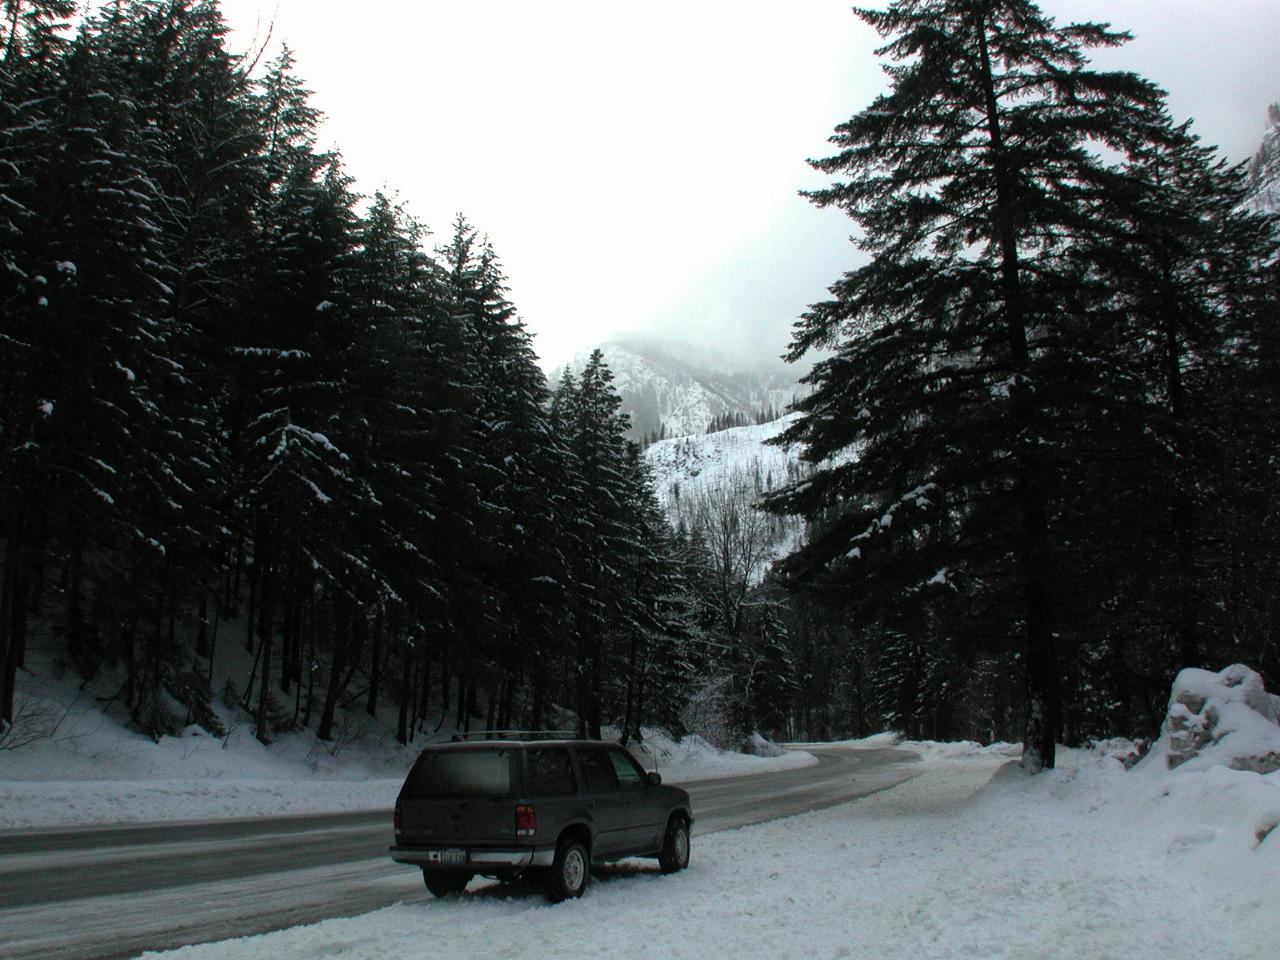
(1264, 171)
(670, 389)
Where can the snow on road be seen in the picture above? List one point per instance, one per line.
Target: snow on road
(971, 859)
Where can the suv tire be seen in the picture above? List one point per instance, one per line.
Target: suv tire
(441, 883)
(675, 846)
(569, 872)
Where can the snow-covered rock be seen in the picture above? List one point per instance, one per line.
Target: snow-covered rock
(1220, 719)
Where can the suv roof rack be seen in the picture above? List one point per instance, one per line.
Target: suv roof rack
(514, 735)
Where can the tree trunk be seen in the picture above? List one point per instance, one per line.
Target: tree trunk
(202, 629)
(213, 638)
(311, 661)
(266, 632)
(539, 698)
(12, 615)
(406, 695)
(423, 697)
(1039, 644)
(253, 599)
(375, 666)
(340, 642)
(629, 704)
(505, 720)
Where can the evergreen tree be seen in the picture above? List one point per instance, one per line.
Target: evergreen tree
(33, 53)
(1173, 273)
(958, 368)
(595, 438)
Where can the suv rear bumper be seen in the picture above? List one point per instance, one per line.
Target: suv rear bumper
(480, 860)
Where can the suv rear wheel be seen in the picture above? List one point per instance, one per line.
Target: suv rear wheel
(675, 846)
(441, 883)
(569, 872)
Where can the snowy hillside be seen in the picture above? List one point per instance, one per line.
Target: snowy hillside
(684, 465)
(694, 476)
(670, 389)
(1264, 171)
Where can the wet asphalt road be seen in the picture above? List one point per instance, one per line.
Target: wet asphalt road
(115, 892)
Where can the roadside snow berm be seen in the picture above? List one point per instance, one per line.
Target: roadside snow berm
(1224, 719)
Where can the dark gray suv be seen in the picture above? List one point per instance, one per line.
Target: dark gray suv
(549, 808)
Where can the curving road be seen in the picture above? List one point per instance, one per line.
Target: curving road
(115, 892)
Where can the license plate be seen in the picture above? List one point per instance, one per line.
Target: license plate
(453, 858)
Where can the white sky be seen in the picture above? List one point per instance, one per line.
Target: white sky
(636, 164)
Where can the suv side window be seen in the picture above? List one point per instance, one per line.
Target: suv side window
(597, 771)
(549, 773)
(629, 775)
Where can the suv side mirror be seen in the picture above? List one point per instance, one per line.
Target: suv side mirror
(653, 778)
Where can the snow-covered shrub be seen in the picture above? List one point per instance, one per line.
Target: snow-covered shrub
(157, 714)
(231, 695)
(1221, 719)
(192, 688)
(759, 746)
(709, 713)
(33, 719)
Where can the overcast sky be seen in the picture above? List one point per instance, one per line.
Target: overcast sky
(636, 165)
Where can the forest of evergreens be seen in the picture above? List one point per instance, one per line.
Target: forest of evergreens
(242, 403)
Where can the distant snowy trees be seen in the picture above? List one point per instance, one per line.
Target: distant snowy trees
(1051, 367)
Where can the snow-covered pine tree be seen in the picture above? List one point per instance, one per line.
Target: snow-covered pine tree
(660, 626)
(954, 365)
(595, 437)
(284, 366)
(522, 461)
(32, 54)
(1173, 275)
(403, 419)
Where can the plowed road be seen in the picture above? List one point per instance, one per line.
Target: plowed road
(115, 892)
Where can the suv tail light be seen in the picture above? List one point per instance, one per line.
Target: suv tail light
(397, 820)
(526, 820)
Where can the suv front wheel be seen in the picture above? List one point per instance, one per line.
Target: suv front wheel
(569, 871)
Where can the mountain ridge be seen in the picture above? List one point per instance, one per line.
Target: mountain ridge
(673, 389)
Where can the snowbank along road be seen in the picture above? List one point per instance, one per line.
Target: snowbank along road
(114, 892)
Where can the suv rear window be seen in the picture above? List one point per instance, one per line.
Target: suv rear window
(460, 773)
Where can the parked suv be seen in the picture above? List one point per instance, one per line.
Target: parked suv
(544, 807)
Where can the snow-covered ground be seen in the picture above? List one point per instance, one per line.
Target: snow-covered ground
(91, 769)
(970, 859)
